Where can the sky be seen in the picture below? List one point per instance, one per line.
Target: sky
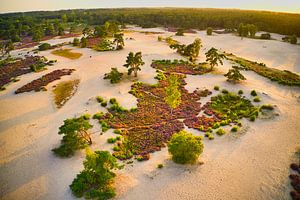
(32, 5)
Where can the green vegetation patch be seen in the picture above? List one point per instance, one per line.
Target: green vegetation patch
(67, 53)
(284, 77)
(232, 107)
(64, 91)
(180, 66)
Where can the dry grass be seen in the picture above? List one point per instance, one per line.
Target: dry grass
(63, 92)
(67, 53)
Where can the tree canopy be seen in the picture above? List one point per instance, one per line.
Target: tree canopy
(75, 136)
(94, 181)
(213, 57)
(133, 63)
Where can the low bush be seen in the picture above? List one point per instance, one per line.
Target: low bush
(76, 42)
(104, 125)
(98, 115)
(267, 107)
(240, 92)
(117, 131)
(114, 76)
(209, 31)
(252, 118)
(185, 148)
(44, 46)
(234, 129)
(211, 137)
(159, 166)
(220, 132)
(99, 99)
(111, 140)
(253, 93)
(116, 148)
(256, 99)
(224, 91)
(216, 88)
(113, 101)
(104, 103)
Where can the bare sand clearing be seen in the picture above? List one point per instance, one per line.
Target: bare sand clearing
(251, 165)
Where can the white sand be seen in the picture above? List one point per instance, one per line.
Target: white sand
(254, 165)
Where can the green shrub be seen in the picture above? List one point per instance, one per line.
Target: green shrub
(86, 116)
(117, 131)
(113, 101)
(185, 148)
(114, 76)
(99, 99)
(224, 91)
(76, 42)
(209, 31)
(234, 129)
(104, 125)
(111, 140)
(160, 76)
(256, 99)
(224, 123)
(116, 148)
(95, 181)
(216, 125)
(267, 107)
(253, 93)
(211, 137)
(104, 104)
(209, 130)
(98, 115)
(216, 88)
(252, 118)
(293, 39)
(207, 134)
(133, 109)
(44, 46)
(240, 92)
(220, 132)
(159, 166)
(118, 138)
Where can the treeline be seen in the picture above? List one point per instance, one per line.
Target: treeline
(283, 23)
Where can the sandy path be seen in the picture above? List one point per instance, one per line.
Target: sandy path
(253, 166)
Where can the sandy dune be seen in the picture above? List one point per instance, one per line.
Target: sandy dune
(252, 165)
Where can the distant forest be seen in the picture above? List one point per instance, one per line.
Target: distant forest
(282, 23)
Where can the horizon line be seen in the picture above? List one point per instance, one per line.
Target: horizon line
(149, 7)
